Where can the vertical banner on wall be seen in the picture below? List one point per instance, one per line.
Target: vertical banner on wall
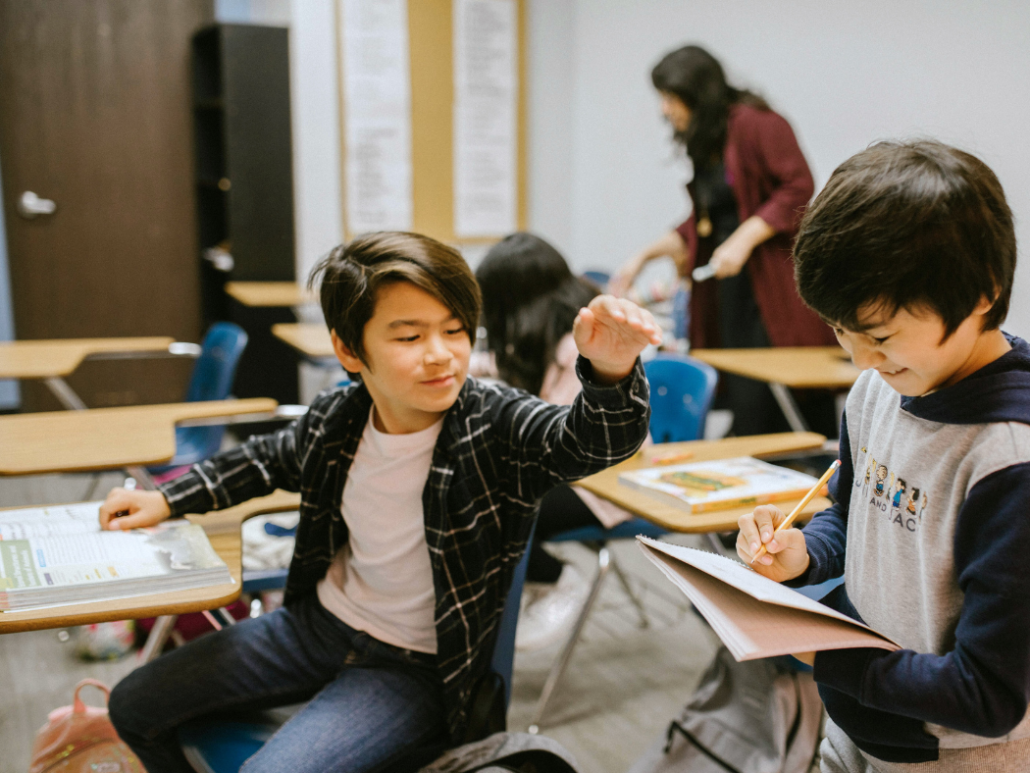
(376, 82)
(485, 110)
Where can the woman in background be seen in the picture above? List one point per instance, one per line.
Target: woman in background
(750, 184)
(530, 301)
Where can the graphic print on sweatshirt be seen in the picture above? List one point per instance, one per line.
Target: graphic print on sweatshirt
(901, 500)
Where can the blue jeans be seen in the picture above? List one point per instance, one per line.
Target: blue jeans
(370, 703)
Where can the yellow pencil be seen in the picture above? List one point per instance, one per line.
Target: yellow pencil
(804, 501)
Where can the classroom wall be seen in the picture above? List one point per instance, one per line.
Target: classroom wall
(844, 74)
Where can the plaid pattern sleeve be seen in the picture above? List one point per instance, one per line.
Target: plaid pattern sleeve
(258, 467)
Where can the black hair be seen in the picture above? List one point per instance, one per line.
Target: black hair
(530, 301)
(350, 276)
(697, 78)
(914, 225)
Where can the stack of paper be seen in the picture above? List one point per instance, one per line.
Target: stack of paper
(754, 616)
(59, 555)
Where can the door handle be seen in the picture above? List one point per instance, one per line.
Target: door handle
(30, 205)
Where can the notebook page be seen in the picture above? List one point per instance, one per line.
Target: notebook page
(751, 628)
(51, 520)
(745, 579)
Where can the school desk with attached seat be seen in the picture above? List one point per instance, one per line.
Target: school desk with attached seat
(223, 530)
(665, 517)
(52, 360)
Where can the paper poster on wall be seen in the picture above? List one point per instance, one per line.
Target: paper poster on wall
(485, 109)
(377, 114)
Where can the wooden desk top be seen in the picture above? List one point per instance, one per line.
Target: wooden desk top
(269, 293)
(223, 529)
(800, 367)
(606, 484)
(104, 438)
(46, 359)
(310, 339)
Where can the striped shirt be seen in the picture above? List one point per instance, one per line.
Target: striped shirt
(500, 450)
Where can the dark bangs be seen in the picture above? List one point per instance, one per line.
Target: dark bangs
(916, 225)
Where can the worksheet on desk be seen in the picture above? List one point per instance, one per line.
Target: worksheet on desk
(754, 616)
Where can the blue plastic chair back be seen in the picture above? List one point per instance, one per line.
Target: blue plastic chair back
(599, 278)
(504, 650)
(212, 379)
(682, 390)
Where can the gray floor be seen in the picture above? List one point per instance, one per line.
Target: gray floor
(623, 686)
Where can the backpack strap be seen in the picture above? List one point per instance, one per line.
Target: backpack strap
(674, 726)
(77, 705)
(528, 761)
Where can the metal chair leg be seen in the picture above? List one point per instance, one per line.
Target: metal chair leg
(158, 636)
(644, 622)
(558, 669)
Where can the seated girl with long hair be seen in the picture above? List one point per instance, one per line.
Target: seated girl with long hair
(530, 301)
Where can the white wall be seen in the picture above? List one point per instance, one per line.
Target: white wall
(316, 131)
(844, 74)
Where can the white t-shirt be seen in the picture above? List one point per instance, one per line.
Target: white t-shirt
(381, 581)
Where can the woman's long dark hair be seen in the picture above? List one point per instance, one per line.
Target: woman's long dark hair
(530, 301)
(697, 78)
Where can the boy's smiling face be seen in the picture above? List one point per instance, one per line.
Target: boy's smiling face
(909, 351)
(418, 357)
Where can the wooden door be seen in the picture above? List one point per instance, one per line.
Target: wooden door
(96, 116)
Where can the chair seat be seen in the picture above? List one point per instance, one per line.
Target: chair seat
(223, 747)
(625, 530)
(257, 580)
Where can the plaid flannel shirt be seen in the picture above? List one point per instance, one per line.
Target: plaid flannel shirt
(499, 451)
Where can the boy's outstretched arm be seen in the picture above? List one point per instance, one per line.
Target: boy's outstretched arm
(543, 445)
(255, 468)
(612, 332)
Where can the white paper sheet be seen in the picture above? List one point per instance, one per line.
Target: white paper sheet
(485, 123)
(376, 81)
(754, 616)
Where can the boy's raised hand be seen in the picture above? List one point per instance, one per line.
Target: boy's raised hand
(787, 554)
(141, 508)
(611, 332)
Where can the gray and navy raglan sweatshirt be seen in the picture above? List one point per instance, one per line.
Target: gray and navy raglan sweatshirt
(931, 529)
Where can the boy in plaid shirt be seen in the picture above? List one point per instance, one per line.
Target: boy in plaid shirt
(419, 488)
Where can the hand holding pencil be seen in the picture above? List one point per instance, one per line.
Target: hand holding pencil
(768, 543)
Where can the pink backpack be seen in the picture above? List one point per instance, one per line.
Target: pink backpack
(81, 739)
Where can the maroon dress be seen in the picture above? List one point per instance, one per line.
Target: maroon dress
(769, 178)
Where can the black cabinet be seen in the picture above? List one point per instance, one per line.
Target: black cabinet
(244, 183)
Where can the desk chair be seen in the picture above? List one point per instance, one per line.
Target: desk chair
(223, 747)
(212, 379)
(682, 390)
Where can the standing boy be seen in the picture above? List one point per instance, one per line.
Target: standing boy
(418, 492)
(909, 254)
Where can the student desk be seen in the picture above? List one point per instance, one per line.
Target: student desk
(606, 484)
(785, 368)
(309, 339)
(53, 359)
(106, 438)
(223, 530)
(259, 294)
